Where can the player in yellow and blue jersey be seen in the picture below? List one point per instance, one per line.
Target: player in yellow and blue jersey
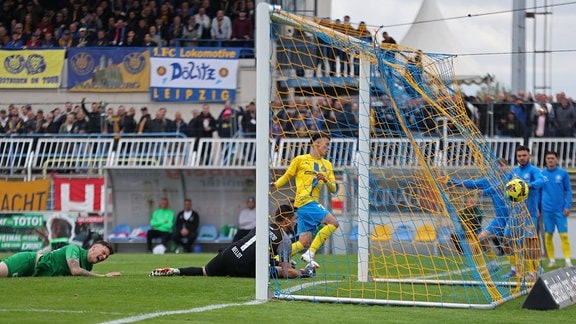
(311, 171)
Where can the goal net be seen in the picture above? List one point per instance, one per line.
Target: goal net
(401, 142)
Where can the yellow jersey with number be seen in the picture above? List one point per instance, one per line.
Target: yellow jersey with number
(304, 168)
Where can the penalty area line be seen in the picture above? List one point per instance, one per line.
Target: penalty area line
(142, 317)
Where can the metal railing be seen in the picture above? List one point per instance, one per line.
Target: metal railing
(77, 154)
(34, 156)
(15, 155)
(342, 152)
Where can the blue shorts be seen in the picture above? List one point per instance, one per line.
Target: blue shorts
(496, 227)
(310, 216)
(519, 229)
(554, 220)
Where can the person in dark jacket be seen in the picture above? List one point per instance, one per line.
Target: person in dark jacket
(93, 117)
(204, 126)
(186, 226)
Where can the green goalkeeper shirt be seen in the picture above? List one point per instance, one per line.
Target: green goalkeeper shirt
(55, 263)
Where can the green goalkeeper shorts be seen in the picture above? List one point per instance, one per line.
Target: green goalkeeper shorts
(21, 264)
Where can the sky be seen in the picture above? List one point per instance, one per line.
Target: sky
(487, 34)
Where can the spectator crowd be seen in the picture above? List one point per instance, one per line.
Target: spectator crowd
(97, 119)
(514, 115)
(79, 23)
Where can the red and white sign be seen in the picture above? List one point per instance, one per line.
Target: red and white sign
(79, 195)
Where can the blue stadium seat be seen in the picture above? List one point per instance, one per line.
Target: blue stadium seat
(207, 232)
(121, 233)
(139, 232)
(404, 233)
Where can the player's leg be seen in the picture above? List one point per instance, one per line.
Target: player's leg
(490, 239)
(20, 264)
(509, 241)
(548, 220)
(166, 238)
(562, 225)
(533, 249)
(192, 271)
(321, 216)
(150, 235)
(331, 224)
(3, 270)
(306, 224)
(485, 246)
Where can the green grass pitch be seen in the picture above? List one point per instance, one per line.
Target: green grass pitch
(135, 297)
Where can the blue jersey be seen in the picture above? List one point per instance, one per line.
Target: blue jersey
(533, 177)
(556, 191)
(488, 188)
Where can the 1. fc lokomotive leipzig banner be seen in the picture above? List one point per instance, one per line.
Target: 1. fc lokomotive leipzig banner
(84, 195)
(109, 69)
(31, 69)
(193, 74)
(24, 195)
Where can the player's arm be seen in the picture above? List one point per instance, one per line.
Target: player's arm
(538, 180)
(469, 184)
(290, 172)
(285, 270)
(76, 270)
(567, 195)
(330, 181)
(155, 221)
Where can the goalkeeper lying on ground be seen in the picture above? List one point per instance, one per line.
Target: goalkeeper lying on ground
(239, 258)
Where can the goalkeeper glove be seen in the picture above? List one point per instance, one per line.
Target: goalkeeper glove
(308, 272)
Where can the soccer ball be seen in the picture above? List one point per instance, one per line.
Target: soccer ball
(517, 190)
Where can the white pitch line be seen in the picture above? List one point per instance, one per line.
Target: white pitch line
(142, 317)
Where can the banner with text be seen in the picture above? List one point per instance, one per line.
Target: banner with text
(109, 69)
(86, 194)
(35, 231)
(31, 69)
(193, 74)
(24, 195)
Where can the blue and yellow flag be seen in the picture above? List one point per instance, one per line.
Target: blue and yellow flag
(109, 69)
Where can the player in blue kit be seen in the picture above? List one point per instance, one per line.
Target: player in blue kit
(495, 229)
(533, 177)
(556, 202)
